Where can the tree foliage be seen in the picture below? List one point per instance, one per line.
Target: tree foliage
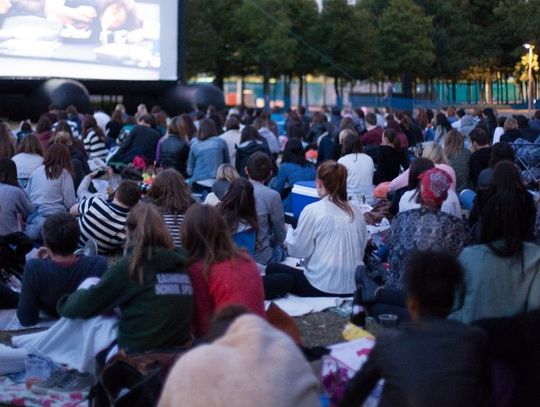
(418, 39)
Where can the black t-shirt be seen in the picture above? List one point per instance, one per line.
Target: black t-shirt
(479, 160)
(45, 281)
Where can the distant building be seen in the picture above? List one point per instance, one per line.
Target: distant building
(350, 2)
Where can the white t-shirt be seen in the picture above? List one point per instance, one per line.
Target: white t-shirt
(499, 131)
(360, 170)
(331, 244)
(232, 138)
(450, 206)
(26, 164)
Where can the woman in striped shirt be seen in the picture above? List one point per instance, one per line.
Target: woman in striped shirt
(94, 139)
(170, 193)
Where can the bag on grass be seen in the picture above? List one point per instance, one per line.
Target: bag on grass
(134, 380)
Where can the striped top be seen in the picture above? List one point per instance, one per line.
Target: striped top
(94, 146)
(174, 224)
(105, 222)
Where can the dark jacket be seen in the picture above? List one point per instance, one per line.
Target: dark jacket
(514, 342)
(154, 314)
(389, 160)
(328, 150)
(479, 160)
(244, 152)
(315, 132)
(510, 136)
(431, 362)
(45, 281)
(112, 129)
(142, 140)
(174, 152)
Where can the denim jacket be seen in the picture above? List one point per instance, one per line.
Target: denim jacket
(205, 157)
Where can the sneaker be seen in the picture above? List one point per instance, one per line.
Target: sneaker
(68, 381)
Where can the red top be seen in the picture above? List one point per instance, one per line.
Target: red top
(373, 136)
(230, 282)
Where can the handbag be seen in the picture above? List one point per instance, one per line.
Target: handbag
(134, 380)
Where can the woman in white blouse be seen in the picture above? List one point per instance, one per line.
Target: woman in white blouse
(359, 166)
(331, 236)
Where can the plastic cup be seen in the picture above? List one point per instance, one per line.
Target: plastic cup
(388, 320)
(37, 371)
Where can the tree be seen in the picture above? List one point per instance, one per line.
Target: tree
(405, 42)
(211, 44)
(266, 40)
(348, 43)
(453, 39)
(304, 19)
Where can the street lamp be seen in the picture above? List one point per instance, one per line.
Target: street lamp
(530, 48)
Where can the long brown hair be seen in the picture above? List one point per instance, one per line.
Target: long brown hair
(334, 179)
(57, 159)
(146, 230)
(453, 143)
(170, 193)
(238, 205)
(7, 150)
(30, 145)
(207, 129)
(89, 124)
(207, 238)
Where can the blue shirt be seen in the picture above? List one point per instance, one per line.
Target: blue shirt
(288, 175)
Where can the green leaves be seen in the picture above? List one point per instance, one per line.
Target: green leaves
(445, 39)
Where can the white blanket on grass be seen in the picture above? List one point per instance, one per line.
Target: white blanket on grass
(298, 306)
(74, 342)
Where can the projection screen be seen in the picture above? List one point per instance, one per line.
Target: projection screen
(89, 39)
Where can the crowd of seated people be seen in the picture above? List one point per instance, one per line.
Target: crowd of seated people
(460, 258)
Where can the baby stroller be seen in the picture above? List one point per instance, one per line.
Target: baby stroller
(13, 250)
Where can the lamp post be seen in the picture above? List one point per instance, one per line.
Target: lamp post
(530, 93)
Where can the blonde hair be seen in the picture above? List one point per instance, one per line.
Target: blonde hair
(510, 124)
(344, 133)
(227, 172)
(435, 153)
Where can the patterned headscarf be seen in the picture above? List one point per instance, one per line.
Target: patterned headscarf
(434, 184)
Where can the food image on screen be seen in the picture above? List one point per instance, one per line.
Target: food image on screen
(89, 39)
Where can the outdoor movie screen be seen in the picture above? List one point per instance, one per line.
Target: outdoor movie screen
(89, 39)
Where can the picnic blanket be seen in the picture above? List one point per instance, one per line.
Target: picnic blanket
(10, 322)
(74, 342)
(344, 360)
(13, 392)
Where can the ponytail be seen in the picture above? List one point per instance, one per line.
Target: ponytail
(334, 179)
(392, 137)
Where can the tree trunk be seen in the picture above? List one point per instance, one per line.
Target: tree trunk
(506, 88)
(324, 84)
(287, 91)
(300, 89)
(220, 78)
(266, 83)
(339, 97)
(307, 94)
(406, 83)
(242, 88)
